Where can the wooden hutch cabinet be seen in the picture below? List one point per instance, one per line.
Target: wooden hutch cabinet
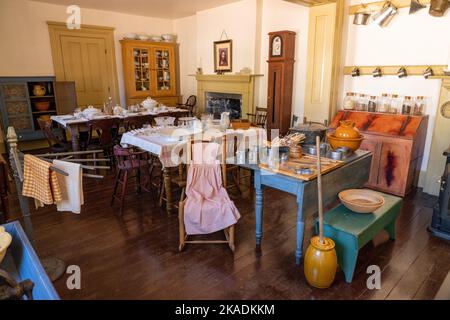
(396, 142)
(150, 71)
(25, 99)
(280, 80)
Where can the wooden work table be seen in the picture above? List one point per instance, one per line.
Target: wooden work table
(354, 173)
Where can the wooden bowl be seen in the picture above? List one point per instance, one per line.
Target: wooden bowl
(352, 144)
(42, 105)
(361, 200)
(5, 241)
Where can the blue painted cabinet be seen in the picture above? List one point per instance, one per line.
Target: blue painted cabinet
(22, 262)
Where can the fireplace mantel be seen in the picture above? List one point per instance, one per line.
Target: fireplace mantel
(243, 84)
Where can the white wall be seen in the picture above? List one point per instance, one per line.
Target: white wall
(247, 23)
(25, 43)
(417, 39)
(281, 15)
(186, 30)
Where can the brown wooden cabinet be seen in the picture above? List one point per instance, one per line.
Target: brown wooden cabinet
(396, 142)
(150, 71)
(280, 80)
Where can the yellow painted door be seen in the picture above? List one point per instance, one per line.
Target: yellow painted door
(84, 61)
(320, 62)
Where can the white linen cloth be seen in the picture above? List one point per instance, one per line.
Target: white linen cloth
(71, 186)
(162, 146)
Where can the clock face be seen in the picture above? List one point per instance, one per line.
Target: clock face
(445, 110)
(276, 47)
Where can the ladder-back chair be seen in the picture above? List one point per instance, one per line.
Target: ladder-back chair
(230, 231)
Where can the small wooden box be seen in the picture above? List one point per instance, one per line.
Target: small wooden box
(240, 124)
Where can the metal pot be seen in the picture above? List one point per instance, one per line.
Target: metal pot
(361, 18)
(311, 130)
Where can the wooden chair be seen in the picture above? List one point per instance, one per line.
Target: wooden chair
(189, 105)
(258, 119)
(107, 131)
(230, 231)
(232, 142)
(56, 143)
(129, 161)
(132, 123)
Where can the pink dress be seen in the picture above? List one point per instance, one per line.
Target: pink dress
(208, 207)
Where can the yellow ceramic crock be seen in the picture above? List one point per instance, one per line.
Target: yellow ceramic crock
(320, 263)
(347, 130)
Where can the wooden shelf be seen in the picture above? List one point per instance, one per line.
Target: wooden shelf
(438, 70)
(43, 112)
(38, 97)
(376, 6)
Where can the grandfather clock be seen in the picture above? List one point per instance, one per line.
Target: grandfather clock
(280, 82)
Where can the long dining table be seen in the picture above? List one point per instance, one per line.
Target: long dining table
(167, 149)
(76, 125)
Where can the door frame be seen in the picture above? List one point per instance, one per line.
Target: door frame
(58, 29)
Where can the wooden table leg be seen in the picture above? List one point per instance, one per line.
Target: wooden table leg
(168, 188)
(300, 224)
(258, 208)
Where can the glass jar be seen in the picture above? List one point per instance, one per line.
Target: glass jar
(396, 104)
(384, 104)
(349, 103)
(362, 103)
(419, 106)
(372, 104)
(407, 105)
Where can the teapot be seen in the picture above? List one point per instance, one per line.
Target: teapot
(39, 90)
(225, 120)
(117, 110)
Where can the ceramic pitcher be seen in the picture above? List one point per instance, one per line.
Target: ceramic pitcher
(225, 120)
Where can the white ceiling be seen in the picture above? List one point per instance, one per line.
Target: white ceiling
(170, 9)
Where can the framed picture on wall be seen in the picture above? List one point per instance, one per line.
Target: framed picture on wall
(223, 54)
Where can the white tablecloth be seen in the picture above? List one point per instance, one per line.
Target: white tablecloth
(168, 148)
(66, 120)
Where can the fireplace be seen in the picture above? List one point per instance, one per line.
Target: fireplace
(235, 86)
(218, 102)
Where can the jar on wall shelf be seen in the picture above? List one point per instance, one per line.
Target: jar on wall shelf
(362, 103)
(384, 104)
(349, 103)
(372, 104)
(407, 105)
(419, 106)
(396, 104)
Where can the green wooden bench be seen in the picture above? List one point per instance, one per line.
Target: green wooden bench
(351, 231)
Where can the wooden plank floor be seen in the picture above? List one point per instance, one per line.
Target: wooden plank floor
(136, 256)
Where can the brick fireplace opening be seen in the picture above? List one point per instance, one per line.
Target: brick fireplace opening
(218, 102)
(228, 92)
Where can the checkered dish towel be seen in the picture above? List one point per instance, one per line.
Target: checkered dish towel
(39, 182)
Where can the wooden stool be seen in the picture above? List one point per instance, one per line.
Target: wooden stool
(351, 231)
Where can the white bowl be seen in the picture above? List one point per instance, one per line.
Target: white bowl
(156, 38)
(130, 36)
(143, 37)
(167, 37)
